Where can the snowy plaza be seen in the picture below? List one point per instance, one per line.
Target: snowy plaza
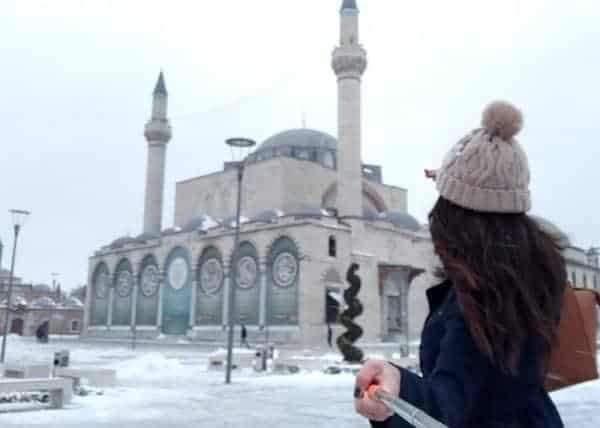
(172, 386)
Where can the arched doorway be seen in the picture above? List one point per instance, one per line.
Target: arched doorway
(177, 293)
(16, 326)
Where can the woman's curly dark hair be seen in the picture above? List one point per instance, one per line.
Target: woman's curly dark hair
(509, 276)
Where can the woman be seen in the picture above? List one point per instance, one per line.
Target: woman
(494, 318)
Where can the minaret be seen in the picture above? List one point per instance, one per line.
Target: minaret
(158, 134)
(349, 63)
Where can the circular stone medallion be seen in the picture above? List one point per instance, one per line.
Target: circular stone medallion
(246, 272)
(150, 281)
(285, 269)
(178, 273)
(211, 276)
(102, 285)
(124, 283)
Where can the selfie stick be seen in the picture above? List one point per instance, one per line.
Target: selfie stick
(405, 410)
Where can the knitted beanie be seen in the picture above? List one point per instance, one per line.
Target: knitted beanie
(488, 170)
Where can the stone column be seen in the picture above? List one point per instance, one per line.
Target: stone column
(193, 302)
(263, 309)
(159, 310)
(111, 292)
(134, 294)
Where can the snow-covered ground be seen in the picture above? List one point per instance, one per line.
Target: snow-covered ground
(163, 387)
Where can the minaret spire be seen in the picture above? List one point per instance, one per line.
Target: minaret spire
(158, 134)
(160, 88)
(349, 64)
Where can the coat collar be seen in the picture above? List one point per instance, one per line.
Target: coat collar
(437, 295)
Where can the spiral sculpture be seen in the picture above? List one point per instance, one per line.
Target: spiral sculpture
(345, 342)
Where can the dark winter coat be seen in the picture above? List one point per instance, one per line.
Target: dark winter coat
(42, 331)
(461, 388)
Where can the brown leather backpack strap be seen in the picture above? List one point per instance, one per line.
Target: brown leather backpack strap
(589, 290)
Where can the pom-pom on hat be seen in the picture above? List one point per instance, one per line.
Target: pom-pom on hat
(487, 170)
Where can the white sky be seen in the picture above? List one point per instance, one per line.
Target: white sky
(77, 78)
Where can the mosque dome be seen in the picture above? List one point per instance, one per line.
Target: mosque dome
(553, 230)
(309, 210)
(43, 302)
(144, 237)
(305, 144)
(268, 216)
(73, 302)
(370, 214)
(124, 240)
(403, 220)
(203, 222)
(42, 289)
(308, 138)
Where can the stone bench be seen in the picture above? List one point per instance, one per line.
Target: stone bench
(100, 378)
(60, 389)
(27, 371)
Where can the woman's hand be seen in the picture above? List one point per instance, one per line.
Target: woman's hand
(387, 377)
(431, 174)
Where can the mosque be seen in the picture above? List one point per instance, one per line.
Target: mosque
(310, 208)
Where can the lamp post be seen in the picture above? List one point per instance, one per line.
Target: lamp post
(19, 217)
(242, 146)
(56, 299)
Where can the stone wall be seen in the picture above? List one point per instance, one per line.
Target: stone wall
(279, 183)
(375, 243)
(61, 320)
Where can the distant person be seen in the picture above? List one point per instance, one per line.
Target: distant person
(245, 336)
(329, 336)
(494, 316)
(42, 332)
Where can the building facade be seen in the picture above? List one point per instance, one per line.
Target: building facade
(32, 305)
(310, 209)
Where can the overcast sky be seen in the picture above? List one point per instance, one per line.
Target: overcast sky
(77, 78)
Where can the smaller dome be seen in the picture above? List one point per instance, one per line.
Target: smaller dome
(230, 222)
(43, 302)
(18, 301)
(171, 230)
(268, 216)
(42, 289)
(73, 302)
(122, 241)
(309, 210)
(144, 237)
(370, 214)
(203, 222)
(552, 230)
(403, 220)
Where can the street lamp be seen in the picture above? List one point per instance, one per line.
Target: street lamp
(239, 149)
(18, 217)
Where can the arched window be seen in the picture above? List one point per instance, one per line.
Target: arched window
(332, 246)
